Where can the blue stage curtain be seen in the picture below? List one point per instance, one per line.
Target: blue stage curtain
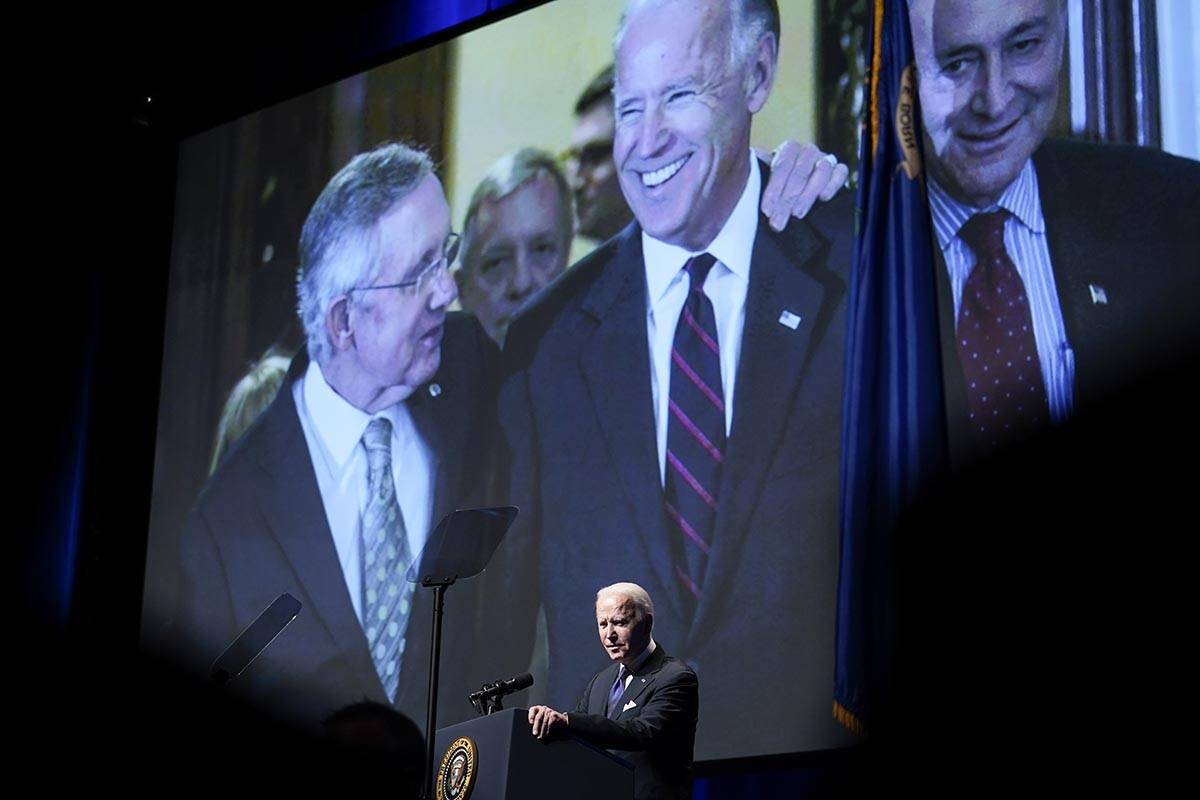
(422, 19)
(893, 430)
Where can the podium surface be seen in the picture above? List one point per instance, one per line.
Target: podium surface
(512, 764)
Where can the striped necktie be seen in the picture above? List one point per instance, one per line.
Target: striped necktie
(695, 431)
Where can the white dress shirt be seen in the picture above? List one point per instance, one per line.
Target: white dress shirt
(333, 430)
(667, 287)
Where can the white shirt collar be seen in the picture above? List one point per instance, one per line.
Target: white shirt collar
(1020, 198)
(338, 424)
(733, 245)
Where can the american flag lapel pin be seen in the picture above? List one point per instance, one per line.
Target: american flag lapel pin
(789, 320)
(1099, 296)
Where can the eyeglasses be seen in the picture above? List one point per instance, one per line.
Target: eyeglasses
(588, 156)
(428, 273)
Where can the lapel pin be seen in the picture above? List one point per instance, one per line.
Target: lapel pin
(435, 389)
(790, 320)
(1099, 297)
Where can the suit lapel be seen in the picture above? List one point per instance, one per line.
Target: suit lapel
(954, 390)
(429, 418)
(641, 682)
(1079, 265)
(598, 699)
(616, 365)
(291, 503)
(428, 415)
(785, 276)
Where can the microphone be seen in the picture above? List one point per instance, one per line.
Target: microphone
(487, 699)
(255, 639)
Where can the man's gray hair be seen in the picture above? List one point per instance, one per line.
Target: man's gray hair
(752, 20)
(634, 594)
(508, 174)
(339, 244)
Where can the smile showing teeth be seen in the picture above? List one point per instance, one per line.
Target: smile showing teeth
(661, 176)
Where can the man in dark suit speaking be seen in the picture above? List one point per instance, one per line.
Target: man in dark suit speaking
(382, 427)
(672, 404)
(644, 705)
(1067, 266)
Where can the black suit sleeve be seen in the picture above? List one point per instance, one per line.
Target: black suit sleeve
(669, 714)
(204, 623)
(582, 706)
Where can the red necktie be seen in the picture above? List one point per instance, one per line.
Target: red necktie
(996, 346)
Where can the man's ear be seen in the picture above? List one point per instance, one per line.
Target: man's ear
(762, 73)
(337, 323)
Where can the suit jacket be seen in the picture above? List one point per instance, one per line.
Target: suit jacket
(577, 413)
(656, 734)
(1120, 218)
(259, 528)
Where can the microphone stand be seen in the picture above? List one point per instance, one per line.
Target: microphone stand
(439, 586)
(459, 547)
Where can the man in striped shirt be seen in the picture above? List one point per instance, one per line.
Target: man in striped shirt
(1064, 263)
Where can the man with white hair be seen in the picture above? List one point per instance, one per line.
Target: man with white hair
(518, 228)
(516, 237)
(643, 706)
(700, 353)
(381, 427)
(800, 174)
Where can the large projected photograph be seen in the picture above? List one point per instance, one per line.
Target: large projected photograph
(1068, 268)
(582, 262)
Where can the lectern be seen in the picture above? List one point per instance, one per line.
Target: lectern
(504, 762)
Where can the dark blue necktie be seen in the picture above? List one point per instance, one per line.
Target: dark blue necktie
(614, 694)
(695, 431)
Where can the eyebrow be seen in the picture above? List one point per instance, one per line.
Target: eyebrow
(684, 83)
(426, 259)
(688, 82)
(1019, 29)
(497, 248)
(1027, 26)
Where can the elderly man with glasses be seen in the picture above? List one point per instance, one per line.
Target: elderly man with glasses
(381, 427)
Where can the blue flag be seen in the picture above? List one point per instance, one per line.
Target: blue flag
(893, 427)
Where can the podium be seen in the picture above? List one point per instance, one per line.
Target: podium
(512, 765)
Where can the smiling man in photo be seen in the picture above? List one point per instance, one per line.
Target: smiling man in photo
(700, 354)
(1068, 267)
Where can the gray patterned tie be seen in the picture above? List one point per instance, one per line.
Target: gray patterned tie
(387, 596)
